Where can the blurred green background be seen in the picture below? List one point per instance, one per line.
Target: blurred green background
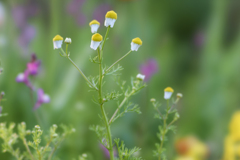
(196, 44)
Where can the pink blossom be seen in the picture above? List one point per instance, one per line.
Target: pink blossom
(34, 65)
(23, 78)
(42, 98)
(149, 68)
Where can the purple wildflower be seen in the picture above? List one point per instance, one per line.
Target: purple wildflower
(106, 152)
(42, 98)
(100, 11)
(149, 68)
(81, 19)
(199, 39)
(34, 65)
(27, 35)
(2, 14)
(19, 16)
(74, 6)
(23, 78)
(74, 9)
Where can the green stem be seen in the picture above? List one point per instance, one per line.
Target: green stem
(117, 61)
(164, 130)
(55, 147)
(120, 106)
(80, 71)
(47, 146)
(105, 38)
(110, 147)
(29, 151)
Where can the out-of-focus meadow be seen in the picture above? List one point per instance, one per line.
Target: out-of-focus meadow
(195, 43)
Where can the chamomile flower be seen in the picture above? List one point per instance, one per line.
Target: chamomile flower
(179, 95)
(96, 40)
(57, 42)
(68, 41)
(94, 24)
(168, 92)
(140, 77)
(110, 19)
(135, 44)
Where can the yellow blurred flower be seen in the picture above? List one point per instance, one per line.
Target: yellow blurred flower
(232, 141)
(191, 148)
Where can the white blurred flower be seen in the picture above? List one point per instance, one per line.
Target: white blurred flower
(140, 77)
(68, 41)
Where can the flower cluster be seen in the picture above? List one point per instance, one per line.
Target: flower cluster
(166, 125)
(32, 69)
(190, 148)
(96, 83)
(232, 146)
(37, 148)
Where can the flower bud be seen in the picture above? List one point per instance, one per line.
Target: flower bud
(140, 77)
(37, 127)
(179, 95)
(152, 100)
(55, 135)
(68, 41)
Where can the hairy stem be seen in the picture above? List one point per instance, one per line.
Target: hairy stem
(120, 106)
(117, 61)
(29, 151)
(164, 130)
(80, 71)
(110, 147)
(105, 38)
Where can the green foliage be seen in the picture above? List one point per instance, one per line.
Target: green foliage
(34, 149)
(123, 106)
(125, 153)
(165, 127)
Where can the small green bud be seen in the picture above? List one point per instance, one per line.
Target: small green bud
(55, 126)
(152, 100)
(84, 155)
(179, 95)
(68, 41)
(28, 132)
(37, 127)
(55, 135)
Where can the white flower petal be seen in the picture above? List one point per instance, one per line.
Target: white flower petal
(20, 77)
(140, 77)
(46, 98)
(68, 40)
(134, 46)
(109, 22)
(94, 44)
(167, 95)
(57, 44)
(94, 28)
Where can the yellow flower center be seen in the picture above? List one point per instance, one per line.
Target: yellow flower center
(168, 89)
(97, 37)
(111, 14)
(57, 38)
(137, 41)
(94, 22)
